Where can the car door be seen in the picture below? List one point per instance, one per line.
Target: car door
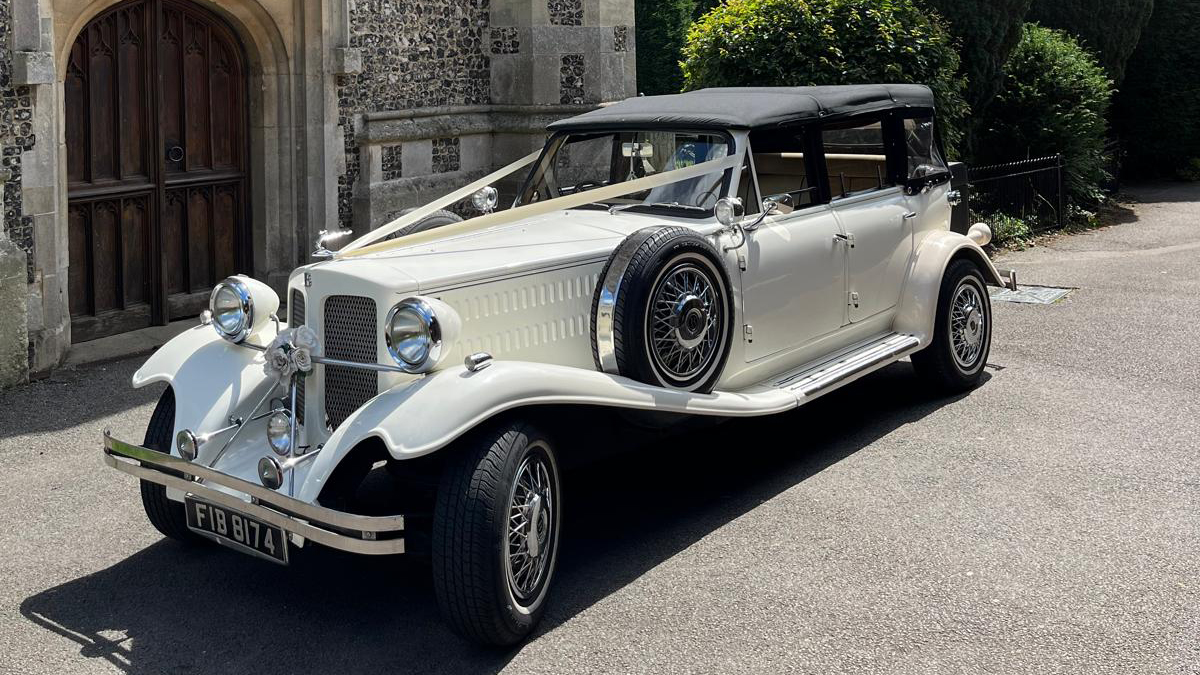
(794, 276)
(873, 212)
(793, 287)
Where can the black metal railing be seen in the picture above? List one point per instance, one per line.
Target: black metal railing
(1031, 189)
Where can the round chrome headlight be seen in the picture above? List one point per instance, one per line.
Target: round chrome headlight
(240, 306)
(412, 333)
(232, 309)
(418, 333)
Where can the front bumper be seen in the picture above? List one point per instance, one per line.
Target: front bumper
(370, 535)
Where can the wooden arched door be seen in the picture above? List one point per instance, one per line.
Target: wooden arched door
(156, 165)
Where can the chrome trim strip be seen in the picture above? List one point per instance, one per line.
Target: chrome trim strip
(383, 368)
(153, 466)
(836, 370)
(603, 337)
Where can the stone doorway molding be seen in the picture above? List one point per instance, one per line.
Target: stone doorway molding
(295, 145)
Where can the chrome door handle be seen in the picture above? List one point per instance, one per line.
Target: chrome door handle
(846, 238)
(910, 215)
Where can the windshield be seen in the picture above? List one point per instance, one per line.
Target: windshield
(587, 161)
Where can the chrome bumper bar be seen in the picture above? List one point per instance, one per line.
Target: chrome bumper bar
(371, 535)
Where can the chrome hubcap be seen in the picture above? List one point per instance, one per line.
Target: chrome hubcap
(968, 325)
(685, 322)
(531, 520)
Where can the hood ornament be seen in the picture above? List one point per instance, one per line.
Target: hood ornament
(325, 237)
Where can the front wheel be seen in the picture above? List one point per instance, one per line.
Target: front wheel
(166, 515)
(962, 335)
(495, 533)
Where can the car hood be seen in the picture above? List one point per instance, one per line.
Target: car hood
(553, 239)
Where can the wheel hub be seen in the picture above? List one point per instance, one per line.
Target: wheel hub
(533, 535)
(690, 319)
(684, 321)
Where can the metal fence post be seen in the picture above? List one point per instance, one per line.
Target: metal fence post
(1062, 191)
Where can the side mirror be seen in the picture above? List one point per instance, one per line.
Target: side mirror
(324, 237)
(778, 202)
(485, 199)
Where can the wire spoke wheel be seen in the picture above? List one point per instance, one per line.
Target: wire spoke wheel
(531, 522)
(968, 325)
(685, 321)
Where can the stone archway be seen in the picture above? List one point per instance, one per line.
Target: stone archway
(269, 207)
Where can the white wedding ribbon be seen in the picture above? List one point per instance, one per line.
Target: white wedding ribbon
(363, 245)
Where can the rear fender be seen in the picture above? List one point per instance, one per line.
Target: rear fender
(934, 253)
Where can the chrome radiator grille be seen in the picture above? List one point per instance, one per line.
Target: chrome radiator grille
(296, 318)
(351, 334)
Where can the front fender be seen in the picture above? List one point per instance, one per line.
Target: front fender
(418, 417)
(918, 300)
(212, 378)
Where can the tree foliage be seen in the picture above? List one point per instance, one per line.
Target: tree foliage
(1110, 28)
(661, 26)
(1054, 100)
(815, 42)
(1158, 109)
(988, 31)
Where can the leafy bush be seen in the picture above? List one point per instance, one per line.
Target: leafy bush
(814, 42)
(1158, 109)
(1054, 100)
(988, 31)
(661, 26)
(1008, 231)
(1109, 28)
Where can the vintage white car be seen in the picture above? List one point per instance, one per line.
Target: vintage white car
(721, 253)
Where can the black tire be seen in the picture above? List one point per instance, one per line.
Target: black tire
(429, 222)
(471, 543)
(653, 254)
(167, 516)
(937, 364)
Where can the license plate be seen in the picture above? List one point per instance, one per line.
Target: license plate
(236, 530)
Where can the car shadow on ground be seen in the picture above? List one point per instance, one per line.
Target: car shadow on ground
(73, 398)
(169, 609)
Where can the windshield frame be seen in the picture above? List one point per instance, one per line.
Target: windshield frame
(557, 139)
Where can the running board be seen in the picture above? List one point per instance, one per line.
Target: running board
(813, 380)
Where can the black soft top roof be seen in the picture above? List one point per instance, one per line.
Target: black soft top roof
(749, 107)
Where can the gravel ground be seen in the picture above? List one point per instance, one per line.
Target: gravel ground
(1047, 522)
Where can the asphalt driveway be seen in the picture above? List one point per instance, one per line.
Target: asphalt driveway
(1047, 522)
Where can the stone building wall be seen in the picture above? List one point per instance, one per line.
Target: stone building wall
(16, 136)
(357, 110)
(413, 55)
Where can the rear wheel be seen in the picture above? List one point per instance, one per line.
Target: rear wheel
(495, 533)
(962, 335)
(167, 516)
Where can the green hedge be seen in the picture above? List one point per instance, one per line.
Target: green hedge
(814, 42)
(1158, 109)
(1054, 100)
(661, 26)
(988, 31)
(1109, 28)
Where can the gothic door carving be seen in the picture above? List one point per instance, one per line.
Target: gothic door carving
(156, 165)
